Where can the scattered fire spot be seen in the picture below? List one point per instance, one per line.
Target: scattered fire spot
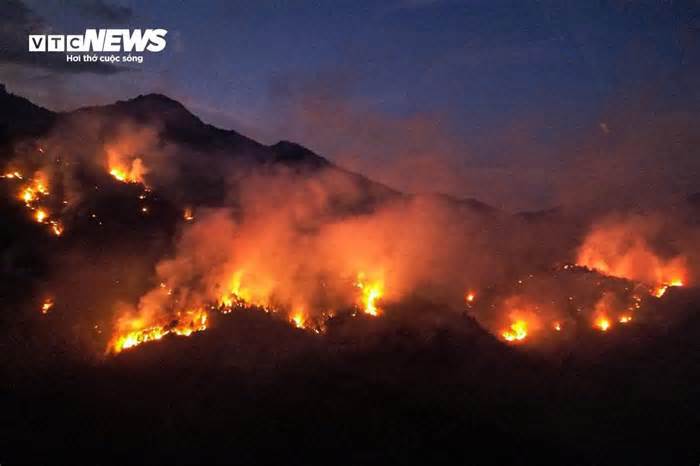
(46, 306)
(40, 215)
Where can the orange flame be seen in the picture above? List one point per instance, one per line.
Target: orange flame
(621, 250)
(46, 306)
(371, 293)
(40, 215)
(126, 172)
(470, 297)
(602, 323)
(193, 321)
(516, 332)
(298, 319)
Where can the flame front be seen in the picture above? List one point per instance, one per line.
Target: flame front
(602, 323)
(516, 332)
(621, 250)
(371, 293)
(125, 171)
(298, 319)
(191, 322)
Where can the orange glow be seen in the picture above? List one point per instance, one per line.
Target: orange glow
(622, 250)
(470, 297)
(660, 290)
(243, 295)
(191, 322)
(188, 215)
(371, 293)
(602, 323)
(516, 332)
(37, 187)
(298, 319)
(27, 195)
(557, 326)
(126, 172)
(625, 319)
(40, 215)
(56, 227)
(46, 306)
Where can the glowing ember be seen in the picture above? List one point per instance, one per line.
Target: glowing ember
(12, 175)
(516, 332)
(470, 297)
(372, 292)
(27, 195)
(625, 319)
(46, 306)
(557, 326)
(187, 214)
(602, 323)
(56, 227)
(40, 215)
(193, 321)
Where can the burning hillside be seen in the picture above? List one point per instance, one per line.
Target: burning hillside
(292, 252)
(136, 237)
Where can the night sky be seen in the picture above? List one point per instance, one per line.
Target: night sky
(502, 101)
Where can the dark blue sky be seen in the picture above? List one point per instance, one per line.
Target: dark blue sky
(504, 89)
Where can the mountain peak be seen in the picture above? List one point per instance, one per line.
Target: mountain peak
(156, 98)
(291, 152)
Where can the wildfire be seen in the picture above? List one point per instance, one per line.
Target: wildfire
(660, 290)
(557, 326)
(371, 293)
(56, 227)
(12, 175)
(131, 174)
(40, 215)
(46, 306)
(516, 332)
(625, 319)
(621, 250)
(298, 319)
(602, 323)
(191, 322)
(470, 297)
(237, 295)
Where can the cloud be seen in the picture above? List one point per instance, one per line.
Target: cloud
(17, 22)
(102, 10)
